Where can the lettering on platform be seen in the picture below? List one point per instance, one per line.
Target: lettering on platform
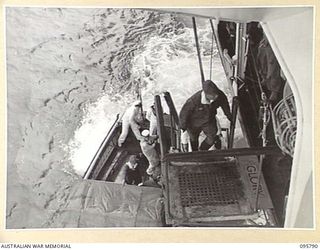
(253, 178)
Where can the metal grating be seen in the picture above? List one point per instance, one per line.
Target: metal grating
(208, 188)
(206, 191)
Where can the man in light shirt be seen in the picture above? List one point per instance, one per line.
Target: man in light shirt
(131, 119)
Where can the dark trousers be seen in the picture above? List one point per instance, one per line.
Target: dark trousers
(210, 130)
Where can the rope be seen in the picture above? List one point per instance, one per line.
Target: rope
(198, 48)
(265, 120)
(211, 56)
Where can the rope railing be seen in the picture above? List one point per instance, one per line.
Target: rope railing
(285, 124)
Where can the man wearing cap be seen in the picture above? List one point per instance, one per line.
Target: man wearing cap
(199, 114)
(130, 119)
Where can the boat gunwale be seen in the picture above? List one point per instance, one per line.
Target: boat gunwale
(105, 141)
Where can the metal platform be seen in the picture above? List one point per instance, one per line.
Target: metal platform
(207, 191)
(208, 188)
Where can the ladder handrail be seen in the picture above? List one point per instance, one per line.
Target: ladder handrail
(234, 111)
(160, 125)
(175, 121)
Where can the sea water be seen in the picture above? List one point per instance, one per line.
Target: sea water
(70, 71)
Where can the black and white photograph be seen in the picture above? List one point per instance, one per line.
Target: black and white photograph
(159, 117)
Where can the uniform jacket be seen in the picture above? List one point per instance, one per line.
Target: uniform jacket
(194, 114)
(132, 176)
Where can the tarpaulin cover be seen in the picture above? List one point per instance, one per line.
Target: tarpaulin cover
(105, 204)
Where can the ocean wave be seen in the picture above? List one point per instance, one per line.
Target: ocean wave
(70, 72)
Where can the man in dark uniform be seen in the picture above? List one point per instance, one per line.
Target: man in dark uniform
(132, 173)
(270, 72)
(199, 114)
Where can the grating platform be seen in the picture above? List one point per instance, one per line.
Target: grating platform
(208, 188)
(207, 191)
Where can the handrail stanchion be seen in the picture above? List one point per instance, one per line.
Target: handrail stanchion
(235, 105)
(172, 108)
(160, 125)
(172, 132)
(175, 122)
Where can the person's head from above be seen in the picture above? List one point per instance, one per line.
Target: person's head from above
(210, 90)
(133, 162)
(145, 133)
